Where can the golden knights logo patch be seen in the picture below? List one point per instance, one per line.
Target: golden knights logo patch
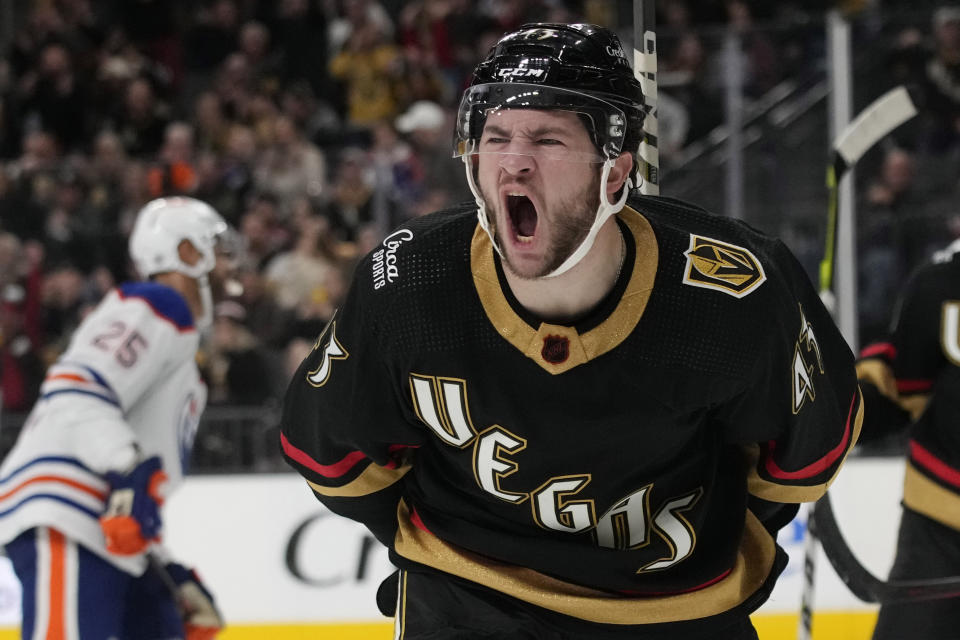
(712, 264)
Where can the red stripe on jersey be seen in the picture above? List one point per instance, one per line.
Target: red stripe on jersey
(334, 470)
(417, 522)
(914, 386)
(884, 349)
(933, 464)
(820, 465)
(671, 593)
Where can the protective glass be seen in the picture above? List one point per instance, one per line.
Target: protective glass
(481, 103)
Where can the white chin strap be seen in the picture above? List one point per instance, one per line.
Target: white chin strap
(205, 321)
(604, 211)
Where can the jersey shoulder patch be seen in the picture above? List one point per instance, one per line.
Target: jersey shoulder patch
(724, 267)
(166, 302)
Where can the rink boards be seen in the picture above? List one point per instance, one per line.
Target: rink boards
(282, 567)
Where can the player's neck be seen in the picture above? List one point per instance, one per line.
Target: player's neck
(185, 286)
(569, 296)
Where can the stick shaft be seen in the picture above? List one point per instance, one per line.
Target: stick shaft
(645, 69)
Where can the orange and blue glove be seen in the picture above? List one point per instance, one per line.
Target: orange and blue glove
(131, 520)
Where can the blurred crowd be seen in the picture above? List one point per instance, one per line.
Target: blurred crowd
(313, 127)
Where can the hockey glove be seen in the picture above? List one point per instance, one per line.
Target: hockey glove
(132, 518)
(201, 619)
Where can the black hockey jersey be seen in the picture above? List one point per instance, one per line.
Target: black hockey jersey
(917, 370)
(602, 469)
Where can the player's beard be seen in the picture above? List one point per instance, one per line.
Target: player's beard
(568, 229)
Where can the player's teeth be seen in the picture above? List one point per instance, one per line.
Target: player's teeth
(525, 239)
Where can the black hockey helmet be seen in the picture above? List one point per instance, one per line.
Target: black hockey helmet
(576, 67)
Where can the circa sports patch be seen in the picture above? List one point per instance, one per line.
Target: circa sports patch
(713, 264)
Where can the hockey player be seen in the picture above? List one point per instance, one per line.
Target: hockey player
(587, 414)
(913, 378)
(110, 437)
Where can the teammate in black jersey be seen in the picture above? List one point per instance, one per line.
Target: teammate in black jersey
(587, 414)
(913, 378)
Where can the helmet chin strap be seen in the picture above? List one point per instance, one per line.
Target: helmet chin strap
(205, 321)
(604, 211)
(482, 216)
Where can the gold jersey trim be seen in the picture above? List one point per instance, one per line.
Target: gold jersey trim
(933, 500)
(750, 570)
(373, 479)
(582, 347)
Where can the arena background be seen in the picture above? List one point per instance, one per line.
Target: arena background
(315, 126)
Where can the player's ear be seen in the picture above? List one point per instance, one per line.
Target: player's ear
(619, 173)
(189, 254)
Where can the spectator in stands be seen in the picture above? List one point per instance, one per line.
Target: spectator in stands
(301, 29)
(354, 13)
(352, 192)
(291, 166)
(212, 127)
(892, 238)
(142, 120)
(210, 38)
(272, 324)
(234, 363)
(21, 369)
(942, 79)
(427, 127)
(253, 43)
(232, 180)
(19, 214)
(308, 277)
(684, 79)
(53, 98)
(370, 66)
(175, 173)
(69, 236)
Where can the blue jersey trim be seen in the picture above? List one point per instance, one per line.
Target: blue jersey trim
(99, 379)
(63, 459)
(106, 399)
(165, 302)
(54, 497)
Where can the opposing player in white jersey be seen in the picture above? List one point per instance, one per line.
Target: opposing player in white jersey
(110, 437)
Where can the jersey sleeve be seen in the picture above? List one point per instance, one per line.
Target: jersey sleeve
(917, 355)
(342, 426)
(898, 374)
(800, 412)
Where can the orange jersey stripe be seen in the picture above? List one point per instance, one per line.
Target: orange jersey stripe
(67, 481)
(68, 376)
(55, 627)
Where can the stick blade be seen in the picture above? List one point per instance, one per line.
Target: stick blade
(884, 114)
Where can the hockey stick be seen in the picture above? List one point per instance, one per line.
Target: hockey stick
(882, 116)
(861, 582)
(805, 629)
(645, 69)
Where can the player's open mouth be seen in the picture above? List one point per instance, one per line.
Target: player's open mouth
(523, 217)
